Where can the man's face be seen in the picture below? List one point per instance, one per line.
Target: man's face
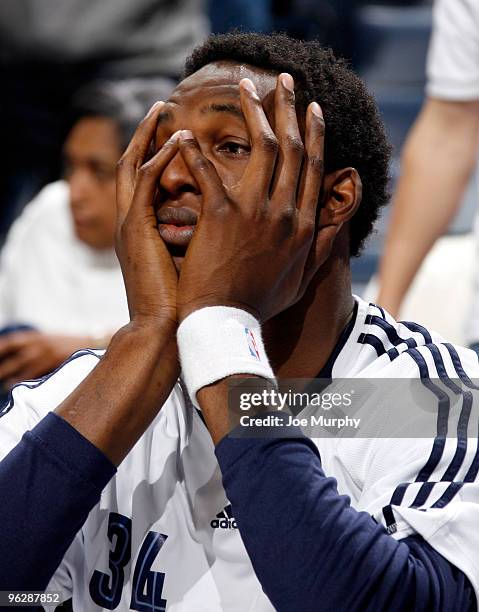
(91, 152)
(208, 104)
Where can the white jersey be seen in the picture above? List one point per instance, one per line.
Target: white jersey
(164, 531)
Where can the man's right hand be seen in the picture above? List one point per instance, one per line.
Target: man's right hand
(148, 270)
(115, 404)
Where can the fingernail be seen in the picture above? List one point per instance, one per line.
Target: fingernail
(185, 135)
(248, 84)
(287, 81)
(316, 109)
(155, 106)
(174, 137)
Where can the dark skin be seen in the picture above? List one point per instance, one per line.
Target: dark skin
(260, 244)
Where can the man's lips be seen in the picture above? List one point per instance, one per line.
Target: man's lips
(176, 225)
(178, 236)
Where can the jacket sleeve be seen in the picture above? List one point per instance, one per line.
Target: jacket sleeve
(312, 551)
(50, 477)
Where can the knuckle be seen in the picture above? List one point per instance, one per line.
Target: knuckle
(201, 164)
(316, 162)
(308, 227)
(268, 142)
(146, 171)
(287, 215)
(290, 212)
(294, 144)
(121, 163)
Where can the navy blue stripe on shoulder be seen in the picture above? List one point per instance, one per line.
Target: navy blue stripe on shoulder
(462, 441)
(438, 446)
(456, 362)
(444, 402)
(376, 343)
(439, 441)
(34, 383)
(415, 327)
(391, 332)
(380, 308)
(394, 339)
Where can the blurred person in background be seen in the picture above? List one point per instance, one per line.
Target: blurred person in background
(51, 48)
(59, 273)
(437, 163)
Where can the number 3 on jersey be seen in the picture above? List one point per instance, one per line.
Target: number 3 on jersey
(105, 589)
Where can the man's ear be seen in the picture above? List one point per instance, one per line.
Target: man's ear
(341, 196)
(342, 192)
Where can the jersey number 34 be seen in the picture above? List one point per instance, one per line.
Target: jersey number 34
(105, 589)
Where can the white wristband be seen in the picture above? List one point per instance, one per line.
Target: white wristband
(219, 341)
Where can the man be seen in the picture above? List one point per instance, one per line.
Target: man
(439, 156)
(260, 220)
(59, 273)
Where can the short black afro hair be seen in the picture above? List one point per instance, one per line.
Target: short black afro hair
(355, 134)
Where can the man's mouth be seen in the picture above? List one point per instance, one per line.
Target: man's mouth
(176, 227)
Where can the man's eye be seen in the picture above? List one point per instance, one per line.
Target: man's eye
(234, 148)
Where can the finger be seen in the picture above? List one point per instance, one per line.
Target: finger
(202, 171)
(133, 157)
(13, 342)
(11, 366)
(291, 149)
(264, 144)
(30, 370)
(148, 177)
(313, 167)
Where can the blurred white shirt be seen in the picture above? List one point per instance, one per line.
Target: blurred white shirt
(453, 57)
(446, 292)
(54, 282)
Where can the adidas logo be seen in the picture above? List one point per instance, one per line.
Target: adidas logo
(224, 519)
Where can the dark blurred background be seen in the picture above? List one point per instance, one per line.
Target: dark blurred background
(51, 48)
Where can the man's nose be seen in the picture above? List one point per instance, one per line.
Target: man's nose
(177, 178)
(79, 184)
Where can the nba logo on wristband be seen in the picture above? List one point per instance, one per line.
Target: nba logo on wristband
(253, 348)
(219, 332)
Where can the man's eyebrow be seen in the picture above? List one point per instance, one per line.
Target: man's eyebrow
(232, 109)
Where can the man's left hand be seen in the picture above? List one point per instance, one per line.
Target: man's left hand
(254, 245)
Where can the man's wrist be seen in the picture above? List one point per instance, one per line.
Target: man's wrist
(184, 310)
(166, 325)
(216, 342)
(146, 335)
(133, 380)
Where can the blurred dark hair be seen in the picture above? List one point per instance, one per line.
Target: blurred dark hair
(126, 102)
(355, 134)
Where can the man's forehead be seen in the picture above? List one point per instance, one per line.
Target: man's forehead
(223, 78)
